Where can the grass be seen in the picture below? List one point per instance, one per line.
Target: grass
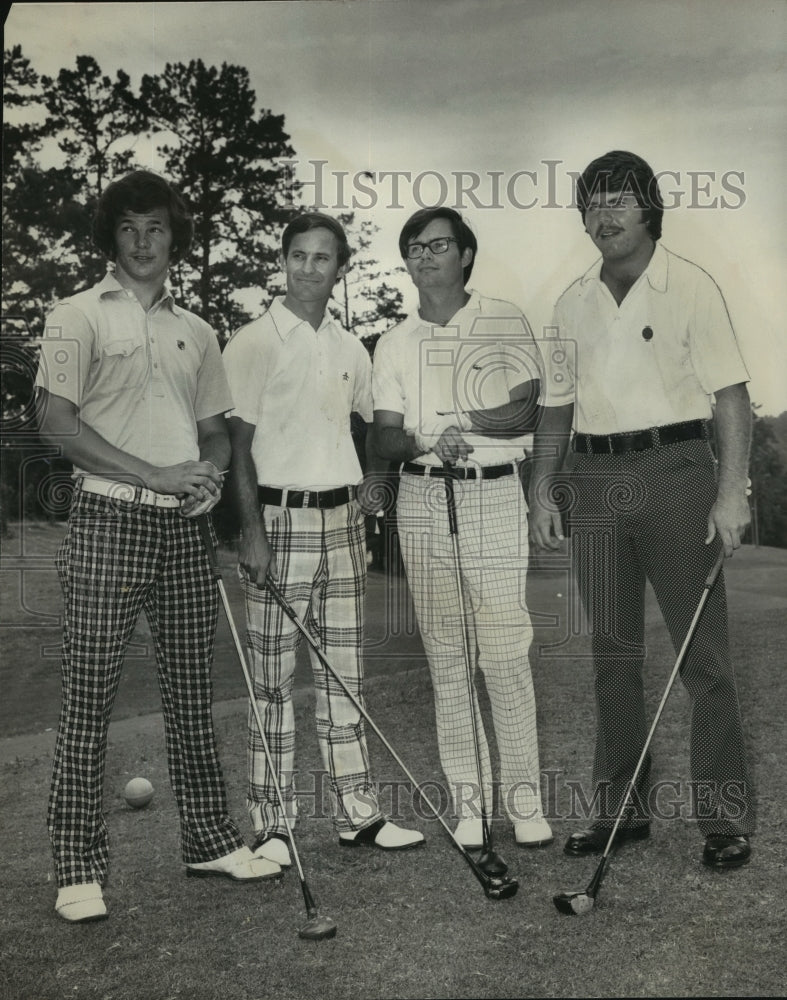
(415, 924)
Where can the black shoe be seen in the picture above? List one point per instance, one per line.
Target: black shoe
(594, 840)
(726, 852)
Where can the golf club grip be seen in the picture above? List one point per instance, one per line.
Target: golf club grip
(204, 529)
(714, 573)
(450, 501)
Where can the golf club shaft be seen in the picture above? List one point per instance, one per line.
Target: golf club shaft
(675, 670)
(482, 877)
(471, 694)
(204, 528)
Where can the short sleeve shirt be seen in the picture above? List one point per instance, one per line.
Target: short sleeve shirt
(141, 379)
(298, 386)
(472, 363)
(655, 359)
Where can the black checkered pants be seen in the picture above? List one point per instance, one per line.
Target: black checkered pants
(637, 517)
(116, 560)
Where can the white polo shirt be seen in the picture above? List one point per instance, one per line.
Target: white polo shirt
(472, 363)
(655, 359)
(297, 386)
(141, 379)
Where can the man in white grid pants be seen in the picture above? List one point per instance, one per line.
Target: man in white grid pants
(458, 383)
(296, 376)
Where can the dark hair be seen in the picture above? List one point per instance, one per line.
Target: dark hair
(622, 171)
(141, 192)
(463, 234)
(316, 220)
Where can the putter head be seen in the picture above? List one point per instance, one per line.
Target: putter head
(574, 903)
(492, 864)
(318, 929)
(501, 888)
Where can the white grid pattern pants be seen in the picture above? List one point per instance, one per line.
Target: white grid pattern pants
(321, 558)
(493, 553)
(116, 560)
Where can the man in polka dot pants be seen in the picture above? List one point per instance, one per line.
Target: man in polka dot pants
(645, 343)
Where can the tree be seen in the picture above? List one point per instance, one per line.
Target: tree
(21, 90)
(367, 304)
(91, 120)
(47, 213)
(226, 159)
(768, 485)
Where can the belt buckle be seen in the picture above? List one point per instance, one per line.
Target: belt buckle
(306, 495)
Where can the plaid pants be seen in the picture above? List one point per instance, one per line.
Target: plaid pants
(117, 559)
(637, 517)
(493, 553)
(321, 557)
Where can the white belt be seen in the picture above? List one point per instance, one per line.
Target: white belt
(126, 492)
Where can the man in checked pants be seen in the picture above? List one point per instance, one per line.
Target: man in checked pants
(131, 388)
(296, 376)
(458, 382)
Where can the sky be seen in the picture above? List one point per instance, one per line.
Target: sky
(488, 105)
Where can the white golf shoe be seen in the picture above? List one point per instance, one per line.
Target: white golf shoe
(385, 835)
(239, 865)
(533, 832)
(470, 834)
(275, 847)
(80, 903)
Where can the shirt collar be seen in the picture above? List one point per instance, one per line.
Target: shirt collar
(655, 273)
(473, 304)
(285, 321)
(109, 284)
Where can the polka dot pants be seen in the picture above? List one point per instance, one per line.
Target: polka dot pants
(639, 517)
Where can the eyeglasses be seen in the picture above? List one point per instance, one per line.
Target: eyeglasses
(440, 245)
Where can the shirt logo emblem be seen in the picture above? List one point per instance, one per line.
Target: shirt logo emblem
(345, 376)
(181, 345)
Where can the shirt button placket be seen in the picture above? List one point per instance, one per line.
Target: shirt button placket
(157, 380)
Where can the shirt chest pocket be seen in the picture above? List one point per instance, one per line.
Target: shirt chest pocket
(123, 364)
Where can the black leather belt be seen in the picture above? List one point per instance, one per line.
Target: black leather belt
(321, 499)
(462, 472)
(653, 437)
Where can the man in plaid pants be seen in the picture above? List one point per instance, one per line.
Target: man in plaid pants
(296, 376)
(457, 383)
(131, 388)
(645, 343)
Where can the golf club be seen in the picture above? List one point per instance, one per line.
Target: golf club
(317, 927)
(489, 861)
(578, 903)
(494, 887)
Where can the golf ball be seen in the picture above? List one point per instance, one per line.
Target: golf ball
(138, 793)
(582, 904)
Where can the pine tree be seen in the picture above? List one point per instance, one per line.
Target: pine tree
(227, 159)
